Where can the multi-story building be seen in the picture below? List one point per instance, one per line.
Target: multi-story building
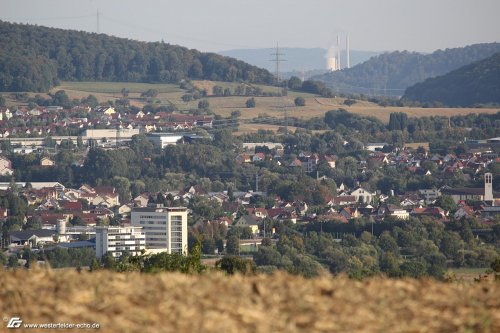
(165, 227)
(117, 240)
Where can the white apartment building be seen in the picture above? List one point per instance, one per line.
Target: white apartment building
(165, 227)
(117, 240)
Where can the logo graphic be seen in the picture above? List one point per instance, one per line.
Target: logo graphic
(14, 322)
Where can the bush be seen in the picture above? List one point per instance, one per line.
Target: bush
(300, 101)
(233, 264)
(250, 103)
(349, 102)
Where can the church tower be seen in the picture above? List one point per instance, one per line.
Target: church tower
(488, 186)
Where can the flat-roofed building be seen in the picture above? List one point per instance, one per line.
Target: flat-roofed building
(165, 227)
(118, 240)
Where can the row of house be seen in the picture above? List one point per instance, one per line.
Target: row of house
(55, 119)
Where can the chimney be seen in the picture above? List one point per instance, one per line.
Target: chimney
(347, 51)
(338, 52)
(488, 186)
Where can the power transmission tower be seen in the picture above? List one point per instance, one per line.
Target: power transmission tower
(277, 60)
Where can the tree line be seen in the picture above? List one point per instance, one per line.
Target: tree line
(35, 58)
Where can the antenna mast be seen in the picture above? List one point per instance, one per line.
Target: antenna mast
(97, 20)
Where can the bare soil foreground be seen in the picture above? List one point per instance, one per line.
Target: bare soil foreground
(215, 303)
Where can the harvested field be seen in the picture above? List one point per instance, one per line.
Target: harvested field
(133, 302)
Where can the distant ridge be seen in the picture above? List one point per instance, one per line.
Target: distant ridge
(297, 59)
(35, 58)
(391, 73)
(477, 83)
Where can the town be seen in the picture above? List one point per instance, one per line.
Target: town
(227, 212)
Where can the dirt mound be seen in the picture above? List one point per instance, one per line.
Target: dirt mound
(216, 303)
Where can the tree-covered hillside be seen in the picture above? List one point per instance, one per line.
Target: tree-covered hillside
(34, 58)
(392, 73)
(477, 83)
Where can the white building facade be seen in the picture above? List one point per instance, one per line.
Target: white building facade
(117, 240)
(165, 227)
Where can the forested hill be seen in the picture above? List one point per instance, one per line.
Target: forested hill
(392, 73)
(34, 58)
(477, 83)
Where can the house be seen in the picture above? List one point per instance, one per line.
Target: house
(362, 195)
(429, 195)
(490, 212)
(251, 221)
(224, 220)
(141, 200)
(436, 212)
(5, 166)
(45, 161)
(3, 213)
(350, 213)
(388, 210)
(70, 206)
(32, 237)
(342, 200)
(331, 160)
(243, 158)
(258, 212)
(295, 163)
(105, 110)
(259, 157)
(463, 210)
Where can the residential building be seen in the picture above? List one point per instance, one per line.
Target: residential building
(5, 166)
(429, 195)
(117, 240)
(362, 195)
(165, 227)
(250, 221)
(46, 162)
(32, 237)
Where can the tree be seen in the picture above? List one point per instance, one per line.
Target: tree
(208, 245)
(294, 83)
(388, 243)
(235, 114)
(2, 101)
(300, 101)
(250, 103)
(413, 268)
(108, 261)
(122, 185)
(218, 91)
(233, 264)
(150, 93)
(233, 245)
(13, 261)
(3, 259)
(203, 105)
(447, 203)
(62, 99)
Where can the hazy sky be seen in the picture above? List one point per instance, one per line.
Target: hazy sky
(214, 25)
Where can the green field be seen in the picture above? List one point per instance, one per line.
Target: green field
(316, 106)
(116, 87)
